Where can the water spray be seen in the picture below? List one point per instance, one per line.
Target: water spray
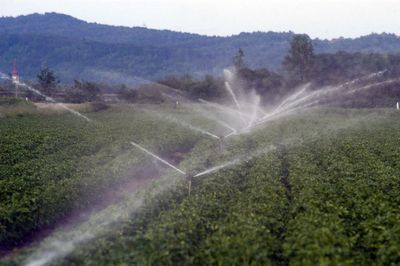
(157, 157)
(230, 90)
(302, 100)
(217, 168)
(247, 104)
(184, 124)
(290, 105)
(59, 249)
(366, 87)
(189, 176)
(225, 109)
(236, 161)
(213, 118)
(292, 97)
(47, 98)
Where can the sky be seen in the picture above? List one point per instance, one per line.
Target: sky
(318, 18)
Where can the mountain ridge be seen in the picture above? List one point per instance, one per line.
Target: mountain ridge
(149, 53)
(68, 18)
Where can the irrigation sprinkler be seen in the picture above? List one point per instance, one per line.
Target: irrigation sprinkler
(189, 177)
(221, 144)
(296, 102)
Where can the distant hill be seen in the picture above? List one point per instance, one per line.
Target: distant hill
(77, 49)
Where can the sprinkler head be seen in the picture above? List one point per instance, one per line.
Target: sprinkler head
(221, 144)
(189, 176)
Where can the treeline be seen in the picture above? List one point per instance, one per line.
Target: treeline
(300, 66)
(79, 50)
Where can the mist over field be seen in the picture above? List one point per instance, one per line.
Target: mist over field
(138, 146)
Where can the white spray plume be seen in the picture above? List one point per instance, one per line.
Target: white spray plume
(49, 99)
(209, 115)
(236, 161)
(247, 102)
(303, 99)
(52, 250)
(57, 247)
(182, 123)
(157, 157)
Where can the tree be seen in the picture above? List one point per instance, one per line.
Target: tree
(299, 61)
(238, 60)
(127, 95)
(47, 80)
(268, 84)
(208, 88)
(83, 91)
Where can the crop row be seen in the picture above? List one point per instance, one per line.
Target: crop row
(330, 199)
(51, 165)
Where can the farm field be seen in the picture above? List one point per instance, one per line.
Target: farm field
(51, 164)
(162, 133)
(316, 187)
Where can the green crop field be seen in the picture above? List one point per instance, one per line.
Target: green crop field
(221, 145)
(317, 187)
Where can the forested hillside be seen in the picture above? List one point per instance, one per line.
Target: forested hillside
(77, 49)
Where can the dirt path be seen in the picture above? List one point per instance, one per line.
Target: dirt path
(59, 107)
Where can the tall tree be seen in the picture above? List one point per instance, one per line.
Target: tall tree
(47, 80)
(83, 91)
(238, 60)
(299, 61)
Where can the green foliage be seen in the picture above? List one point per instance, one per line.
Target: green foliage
(322, 190)
(10, 106)
(98, 106)
(77, 49)
(47, 80)
(210, 87)
(342, 66)
(299, 61)
(344, 189)
(238, 60)
(9, 101)
(268, 84)
(51, 165)
(83, 91)
(127, 95)
(339, 205)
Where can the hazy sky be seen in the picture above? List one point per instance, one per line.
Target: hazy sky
(318, 18)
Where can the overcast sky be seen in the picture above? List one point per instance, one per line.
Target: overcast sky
(318, 18)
